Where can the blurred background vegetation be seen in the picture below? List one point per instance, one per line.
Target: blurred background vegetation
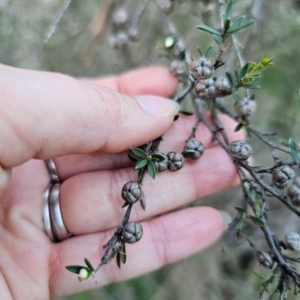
(74, 37)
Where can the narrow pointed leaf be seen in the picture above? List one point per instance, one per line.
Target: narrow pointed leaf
(241, 224)
(139, 152)
(88, 263)
(228, 9)
(294, 150)
(159, 157)
(257, 221)
(74, 269)
(124, 253)
(132, 158)
(208, 29)
(143, 203)
(140, 174)
(118, 259)
(251, 86)
(238, 127)
(141, 163)
(208, 52)
(240, 209)
(227, 24)
(199, 51)
(125, 204)
(151, 169)
(229, 78)
(243, 71)
(242, 26)
(217, 39)
(237, 97)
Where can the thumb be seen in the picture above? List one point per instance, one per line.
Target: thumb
(47, 114)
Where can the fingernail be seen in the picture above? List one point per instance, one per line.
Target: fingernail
(158, 106)
(4, 178)
(227, 219)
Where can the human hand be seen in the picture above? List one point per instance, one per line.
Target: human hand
(88, 128)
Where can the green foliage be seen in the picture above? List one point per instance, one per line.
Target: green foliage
(293, 148)
(257, 221)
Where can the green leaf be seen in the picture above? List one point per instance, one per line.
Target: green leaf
(118, 259)
(217, 39)
(237, 97)
(229, 78)
(240, 225)
(257, 221)
(243, 71)
(227, 24)
(293, 147)
(151, 169)
(250, 86)
(123, 258)
(228, 9)
(238, 22)
(208, 52)
(208, 29)
(199, 51)
(139, 152)
(132, 158)
(88, 263)
(75, 269)
(143, 203)
(236, 74)
(240, 209)
(158, 157)
(140, 164)
(140, 174)
(238, 127)
(125, 204)
(232, 30)
(248, 131)
(284, 142)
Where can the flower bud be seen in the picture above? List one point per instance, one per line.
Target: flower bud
(291, 241)
(282, 176)
(132, 232)
(265, 259)
(293, 191)
(193, 149)
(161, 166)
(239, 150)
(84, 274)
(175, 161)
(132, 192)
(245, 107)
(205, 89)
(222, 87)
(202, 68)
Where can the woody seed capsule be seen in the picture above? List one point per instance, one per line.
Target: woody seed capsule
(246, 107)
(193, 149)
(202, 68)
(265, 259)
(205, 89)
(132, 192)
(291, 241)
(223, 87)
(161, 166)
(239, 150)
(175, 161)
(282, 176)
(132, 232)
(293, 191)
(120, 17)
